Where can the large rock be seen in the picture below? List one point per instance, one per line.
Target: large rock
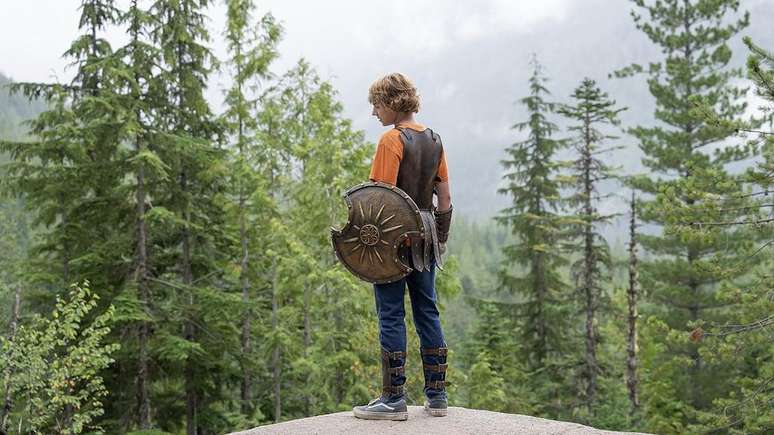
(459, 421)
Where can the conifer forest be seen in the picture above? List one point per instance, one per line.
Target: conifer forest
(166, 264)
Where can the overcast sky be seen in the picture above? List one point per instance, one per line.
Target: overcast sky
(468, 59)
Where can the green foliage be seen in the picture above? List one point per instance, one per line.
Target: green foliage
(591, 109)
(316, 296)
(612, 410)
(56, 364)
(206, 238)
(543, 313)
(688, 156)
(496, 377)
(485, 386)
(742, 341)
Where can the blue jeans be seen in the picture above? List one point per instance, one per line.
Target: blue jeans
(392, 327)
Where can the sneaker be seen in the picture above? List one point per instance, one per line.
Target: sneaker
(436, 406)
(383, 409)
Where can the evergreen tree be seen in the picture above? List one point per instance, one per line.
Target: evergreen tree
(686, 271)
(742, 340)
(138, 94)
(590, 110)
(78, 142)
(67, 173)
(209, 236)
(197, 338)
(140, 58)
(544, 316)
(492, 354)
(310, 135)
(485, 386)
(38, 171)
(85, 130)
(326, 144)
(251, 50)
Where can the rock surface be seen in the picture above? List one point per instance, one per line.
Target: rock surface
(459, 421)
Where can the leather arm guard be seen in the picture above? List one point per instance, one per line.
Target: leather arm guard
(443, 223)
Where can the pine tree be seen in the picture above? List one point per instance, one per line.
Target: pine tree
(320, 156)
(326, 144)
(590, 110)
(280, 245)
(492, 354)
(743, 341)
(85, 130)
(251, 49)
(197, 338)
(533, 187)
(683, 277)
(77, 155)
(138, 91)
(193, 225)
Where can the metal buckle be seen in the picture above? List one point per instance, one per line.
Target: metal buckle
(436, 351)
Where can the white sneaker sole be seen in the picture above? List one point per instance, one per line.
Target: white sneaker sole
(376, 415)
(435, 412)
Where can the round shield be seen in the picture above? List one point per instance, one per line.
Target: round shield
(381, 217)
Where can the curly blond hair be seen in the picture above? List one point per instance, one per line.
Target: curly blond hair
(396, 92)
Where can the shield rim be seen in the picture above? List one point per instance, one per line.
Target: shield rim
(350, 215)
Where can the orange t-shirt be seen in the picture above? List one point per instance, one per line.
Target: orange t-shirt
(389, 153)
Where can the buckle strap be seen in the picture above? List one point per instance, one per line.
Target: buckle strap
(394, 355)
(392, 389)
(436, 385)
(435, 368)
(395, 371)
(438, 351)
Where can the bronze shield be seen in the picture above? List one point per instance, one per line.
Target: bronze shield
(381, 217)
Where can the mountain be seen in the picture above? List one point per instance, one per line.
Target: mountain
(14, 110)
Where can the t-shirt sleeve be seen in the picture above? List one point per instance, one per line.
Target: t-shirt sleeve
(443, 171)
(386, 162)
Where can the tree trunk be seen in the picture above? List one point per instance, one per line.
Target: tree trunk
(141, 280)
(65, 242)
(276, 355)
(338, 323)
(631, 338)
(693, 309)
(696, 396)
(541, 301)
(247, 381)
(307, 342)
(246, 343)
(540, 290)
(589, 268)
(141, 270)
(191, 398)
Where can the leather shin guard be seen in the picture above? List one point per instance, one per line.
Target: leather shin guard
(434, 366)
(393, 372)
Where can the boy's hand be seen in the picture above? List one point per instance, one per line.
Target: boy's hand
(442, 247)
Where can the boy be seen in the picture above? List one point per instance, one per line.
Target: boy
(411, 157)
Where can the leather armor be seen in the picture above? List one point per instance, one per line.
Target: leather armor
(417, 176)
